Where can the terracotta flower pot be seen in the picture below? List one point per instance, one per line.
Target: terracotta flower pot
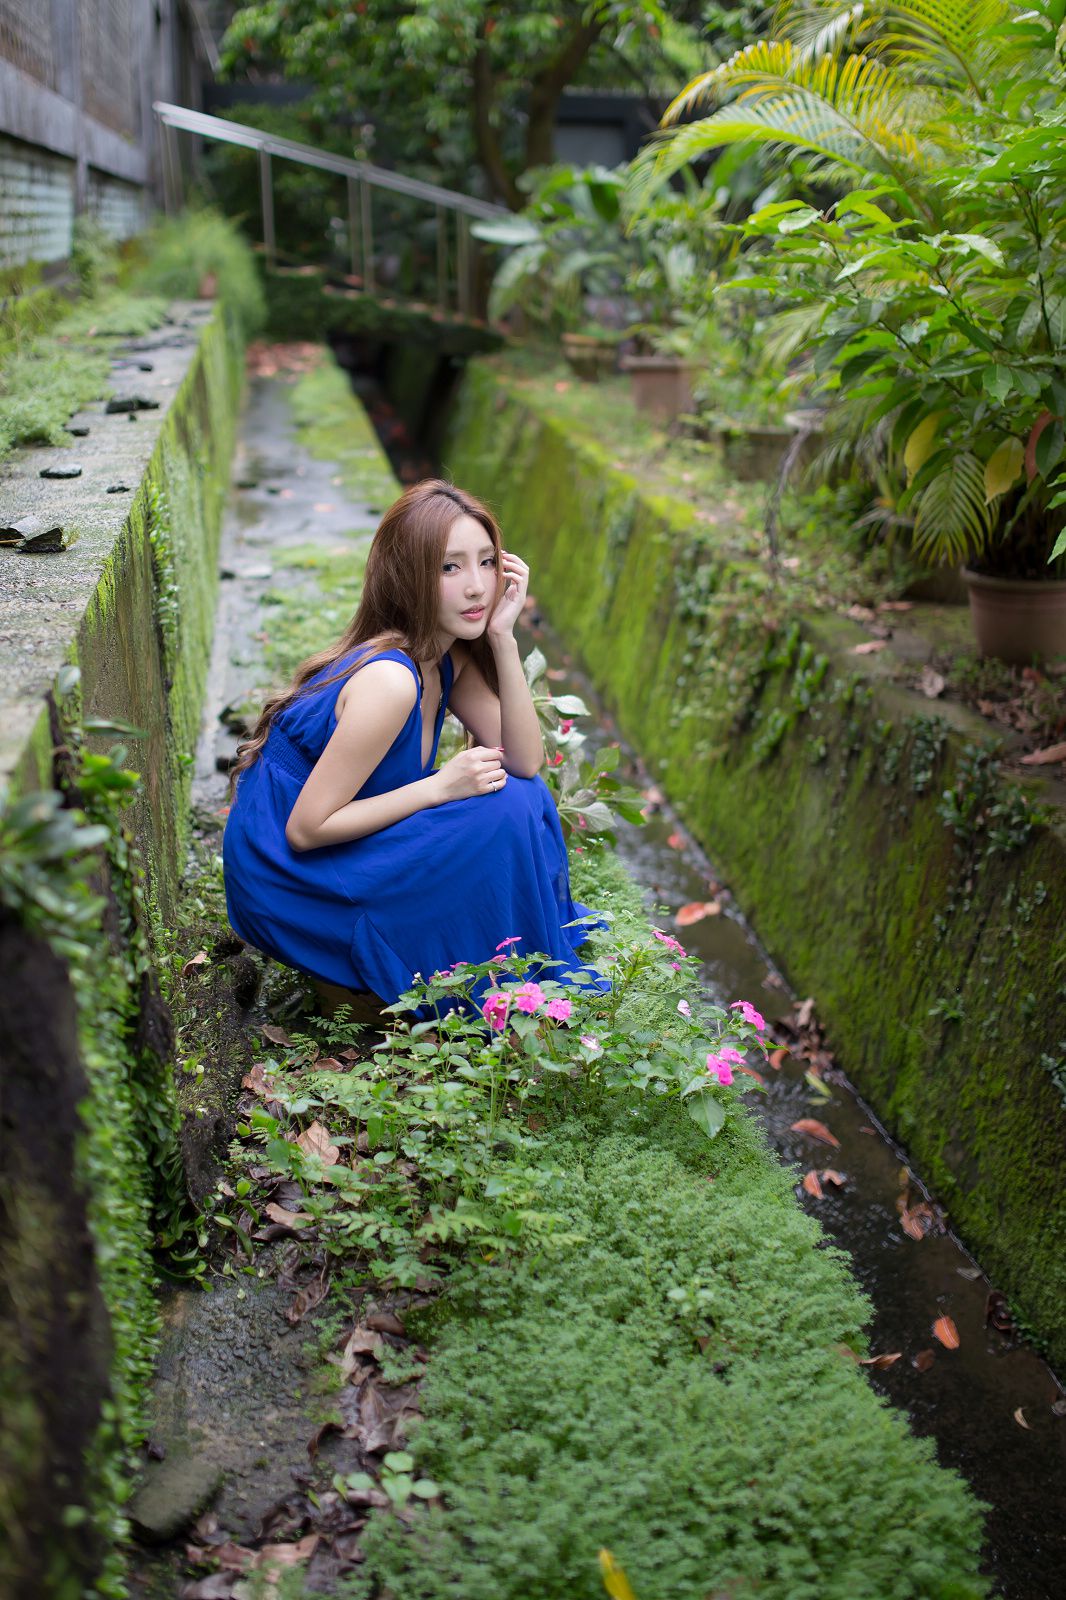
(1017, 619)
(588, 358)
(662, 385)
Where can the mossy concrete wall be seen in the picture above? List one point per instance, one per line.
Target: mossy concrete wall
(89, 1167)
(874, 847)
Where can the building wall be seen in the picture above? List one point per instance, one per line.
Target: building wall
(77, 133)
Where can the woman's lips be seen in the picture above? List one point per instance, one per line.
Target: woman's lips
(475, 614)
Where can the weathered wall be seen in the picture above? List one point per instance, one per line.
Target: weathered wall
(89, 1163)
(874, 848)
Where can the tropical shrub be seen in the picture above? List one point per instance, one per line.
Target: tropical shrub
(926, 292)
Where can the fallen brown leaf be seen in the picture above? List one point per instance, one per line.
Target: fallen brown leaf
(945, 1330)
(868, 648)
(896, 605)
(911, 1225)
(881, 1362)
(194, 961)
(859, 613)
(923, 1360)
(386, 1322)
(742, 1066)
(997, 1312)
(307, 1298)
(931, 683)
(676, 842)
(255, 1080)
(829, 1175)
(1044, 758)
(287, 1219)
(274, 1034)
(315, 1141)
(287, 1555)
(804, 1012)
(695, 911)
(815, 1130)
(1019, 1417)
(777, 1057)
(812, 1184)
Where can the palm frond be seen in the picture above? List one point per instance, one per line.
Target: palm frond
(952, 520)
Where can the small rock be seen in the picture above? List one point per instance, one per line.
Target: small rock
(27, 528)
(130, 402)
(118, 488)
(48, 541)
(145, 366)
(60, 472)
(132, 417)
(77, 431)
(247, 483)
(172, 1494)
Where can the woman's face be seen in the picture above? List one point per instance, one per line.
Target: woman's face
(469, 582)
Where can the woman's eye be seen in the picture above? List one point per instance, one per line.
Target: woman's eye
(489, 561)
(449, 566)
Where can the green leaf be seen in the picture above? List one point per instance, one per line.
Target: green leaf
(706, 1112)
(399, 1461)
(919, 446)
(1004, 467)
(1059, 547)
(982, 247)
(1049, 449)
(998, 382)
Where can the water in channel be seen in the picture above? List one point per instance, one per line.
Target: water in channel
(989, 1403)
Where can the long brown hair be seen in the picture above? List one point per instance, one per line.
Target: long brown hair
(401, 597)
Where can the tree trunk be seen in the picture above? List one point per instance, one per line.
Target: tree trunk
(486, 138)
(546, 90)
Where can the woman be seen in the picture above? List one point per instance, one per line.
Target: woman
(345, 854)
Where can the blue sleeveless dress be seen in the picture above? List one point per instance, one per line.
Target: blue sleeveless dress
(447, 884)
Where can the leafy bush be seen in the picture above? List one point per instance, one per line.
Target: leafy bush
(181, 252)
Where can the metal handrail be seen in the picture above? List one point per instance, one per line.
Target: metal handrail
(208, 127)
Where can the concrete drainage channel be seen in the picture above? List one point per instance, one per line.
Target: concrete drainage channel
(995, 1410)
(233, 1369)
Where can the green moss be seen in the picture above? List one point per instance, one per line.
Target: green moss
(303, 305)
(333, 426)
(855, 883)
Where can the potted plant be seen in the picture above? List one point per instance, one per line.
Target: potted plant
(567, 254)
(662, 366)
(927, 292)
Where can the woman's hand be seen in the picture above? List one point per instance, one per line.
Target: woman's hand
(508, 608)
(471, 772)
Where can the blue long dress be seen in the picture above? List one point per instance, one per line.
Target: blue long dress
(447, 884)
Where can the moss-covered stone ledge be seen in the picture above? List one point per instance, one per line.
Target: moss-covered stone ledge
(878, 851)
(130, 599)
(89, 1167)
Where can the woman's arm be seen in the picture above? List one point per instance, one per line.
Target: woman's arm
(509, 721)
(377, 702)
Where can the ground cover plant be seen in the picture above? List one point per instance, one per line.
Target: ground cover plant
(615, 1325)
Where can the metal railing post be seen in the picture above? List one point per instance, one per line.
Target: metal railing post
(353, 230)
(462, 224)
(266, 201)
(368, 236)
(442, 260)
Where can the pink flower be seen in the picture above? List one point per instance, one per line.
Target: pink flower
(676, 965)
(559, 1010)
(528, 996)
(719, 1066)
(565, 726)
(669, 941)
(684, 1008)
(581, 822)
(750, 1015)
(494, 1011)
(728, 1054)
(590, 1041)
(557, 759)
(514, 939)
